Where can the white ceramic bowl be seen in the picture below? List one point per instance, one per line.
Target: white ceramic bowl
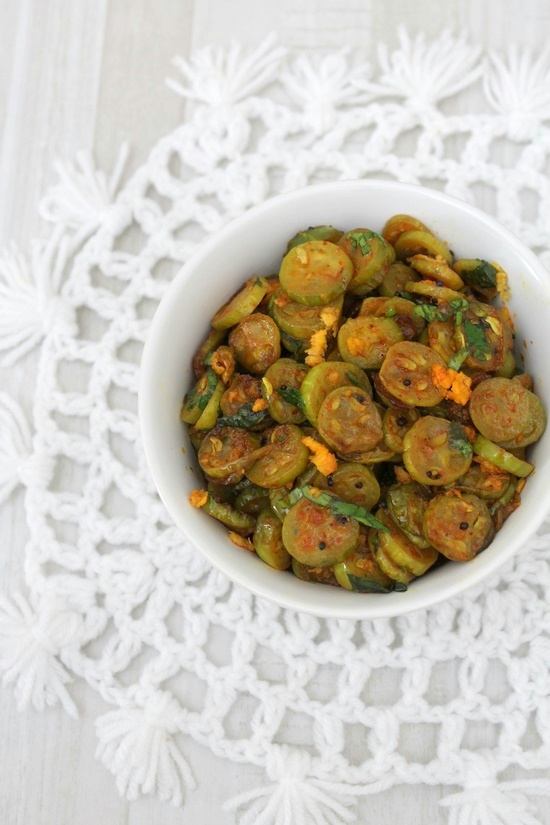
(253, 245)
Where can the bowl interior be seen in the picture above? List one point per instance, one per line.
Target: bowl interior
(253, 245)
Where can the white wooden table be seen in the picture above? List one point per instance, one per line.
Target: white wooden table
(77, 75)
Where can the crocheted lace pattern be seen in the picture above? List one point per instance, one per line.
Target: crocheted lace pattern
(116, 596)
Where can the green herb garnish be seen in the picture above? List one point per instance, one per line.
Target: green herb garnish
(476, 340)
(458, 440)
(361, 585)
(292, 396)
(343, 508)
(361, 240)
(352, 379)
(429, 312)
(389, 313)
(458, 359)
(484, 275)
(245, 418)
(201, 398)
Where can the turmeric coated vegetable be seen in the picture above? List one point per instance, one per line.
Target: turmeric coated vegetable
(361, 416)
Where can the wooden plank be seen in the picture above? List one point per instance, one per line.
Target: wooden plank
(141, 38)
(50, 104)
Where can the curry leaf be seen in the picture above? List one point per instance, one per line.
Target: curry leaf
(341, 508)
(244, 418)
(292, 396)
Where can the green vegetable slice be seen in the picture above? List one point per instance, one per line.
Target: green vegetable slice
(285, 457)
(324, 378)
(336, 505)
(268, 541)
(371, 257)
(365, 341)
(241, 523)
(419, 242)
(315, 273)
(256, 342)
(210, 414)
(349, 421)
(315, 233)
(301, 321)
(280, 388)
(501, 458)
(429, 456)
(314, 535)
(240, 305)
(458, 526)
(360, 572)
(197, 398)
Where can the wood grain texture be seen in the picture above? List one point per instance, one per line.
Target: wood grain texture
(77, 74)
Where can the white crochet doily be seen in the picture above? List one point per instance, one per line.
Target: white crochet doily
(116, 596)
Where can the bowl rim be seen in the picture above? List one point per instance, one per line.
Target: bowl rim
(358, 608)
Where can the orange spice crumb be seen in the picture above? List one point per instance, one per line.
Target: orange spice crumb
(402, 475)
(317, 348)
(223, 363)
(198, 498)
(321, 457)
(456, 386)
(329, 317)
(259, 404)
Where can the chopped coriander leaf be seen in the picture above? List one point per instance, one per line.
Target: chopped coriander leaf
(458, 440)
(428, 312)
(484, 275)
(458, 359)
(361, 240)
(476, 340)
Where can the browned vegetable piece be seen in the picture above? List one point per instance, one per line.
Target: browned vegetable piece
(365, 341)
(318, 575)
(395, 279)
(225, 451)
(371, 257)
(436, 451)
(315, 273)
(458, 526)
(256, 342)
(396, 424)
(285, 457)
(507, 413)
(315, 536)
(396, 308)
(349, 421)
(406, 373)
(242, 390)
(397, 224)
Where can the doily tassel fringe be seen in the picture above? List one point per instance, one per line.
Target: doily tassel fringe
(30, 304)
(84, 197)
(18, 464)
(505, 803)
(28, 658)
(137, 747)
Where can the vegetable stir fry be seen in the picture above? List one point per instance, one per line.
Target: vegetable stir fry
(361, 416)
